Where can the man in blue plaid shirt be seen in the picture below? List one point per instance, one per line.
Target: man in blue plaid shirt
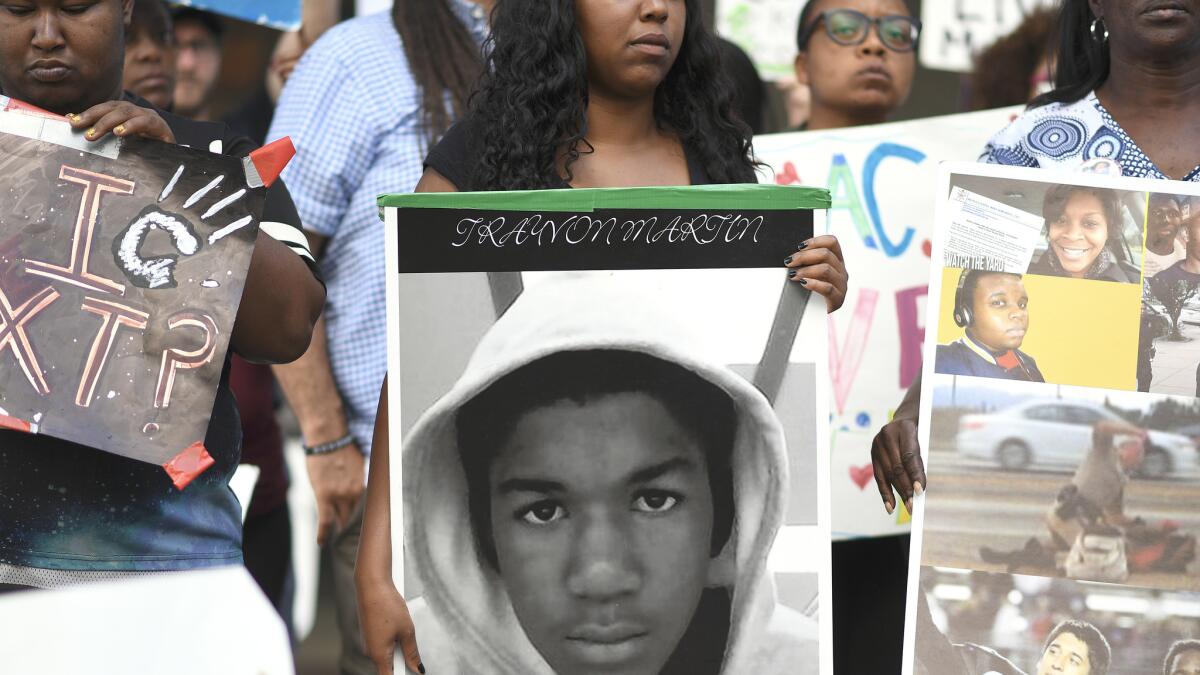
(356, 112)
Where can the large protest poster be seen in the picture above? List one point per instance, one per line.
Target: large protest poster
(1063, 507)
(496, 299)
(281, 14)
(121, 269)
(884, 226)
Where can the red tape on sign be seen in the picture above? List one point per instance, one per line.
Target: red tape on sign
(188, 464)
(14, 423)
(270, 159)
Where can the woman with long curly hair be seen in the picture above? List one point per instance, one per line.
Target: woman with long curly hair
(582, 93)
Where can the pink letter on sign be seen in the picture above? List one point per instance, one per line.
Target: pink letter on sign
(113, 315)
(845, 357)
(12, 334)
(174, 359)
(912, 332)
(94, 187)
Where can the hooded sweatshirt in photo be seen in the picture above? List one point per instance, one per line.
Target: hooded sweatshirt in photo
(464, 618)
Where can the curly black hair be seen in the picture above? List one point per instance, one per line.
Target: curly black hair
(533, 95)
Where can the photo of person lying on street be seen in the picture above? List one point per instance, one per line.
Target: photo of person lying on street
(1119, 514)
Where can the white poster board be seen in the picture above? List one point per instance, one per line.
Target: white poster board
(882, 213)
(186, 623)
(953, 31)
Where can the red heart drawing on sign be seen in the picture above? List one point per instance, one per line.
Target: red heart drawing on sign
(788, 176)
(861, 475)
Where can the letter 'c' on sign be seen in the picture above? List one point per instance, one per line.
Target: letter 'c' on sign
(174, 359)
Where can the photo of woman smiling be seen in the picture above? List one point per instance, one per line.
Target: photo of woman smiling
(993, 307)
(1084, 233)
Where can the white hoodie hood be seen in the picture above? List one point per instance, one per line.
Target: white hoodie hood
(464, 619)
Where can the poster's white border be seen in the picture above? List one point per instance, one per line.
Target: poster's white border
(814, 311)
(933, 314)
(391, 240)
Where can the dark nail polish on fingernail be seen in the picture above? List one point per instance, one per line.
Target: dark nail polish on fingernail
(791, 274)
(421, 668)
(804, 282)
(802, 245)
(788, 260)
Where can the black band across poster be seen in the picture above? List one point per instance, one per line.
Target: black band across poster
(725, 226)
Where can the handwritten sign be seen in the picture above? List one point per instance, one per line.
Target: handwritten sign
(884, 225)
(953, 31)
(729, 226)
(120, 278)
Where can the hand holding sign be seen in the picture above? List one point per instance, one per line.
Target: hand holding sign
(122, 118)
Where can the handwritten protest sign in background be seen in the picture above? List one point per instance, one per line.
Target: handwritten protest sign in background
(120, 278)
(882, 212)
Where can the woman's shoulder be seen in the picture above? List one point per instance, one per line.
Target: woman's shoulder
(455, 154)
(1052, 134)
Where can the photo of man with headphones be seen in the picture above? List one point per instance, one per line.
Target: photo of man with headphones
(993, 307)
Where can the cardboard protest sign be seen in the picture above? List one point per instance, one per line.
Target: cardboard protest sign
(885, 227)
(281, 14)
(504, 306)
(121, 270)
(1054, 468)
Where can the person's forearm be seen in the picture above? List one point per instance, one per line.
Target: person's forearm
(375, 544)
(281, 302)
(910, 407)
(308, 385)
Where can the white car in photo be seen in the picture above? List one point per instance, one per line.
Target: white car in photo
(1057, 433)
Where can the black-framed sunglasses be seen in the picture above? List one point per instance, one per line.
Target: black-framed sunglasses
(849, 27)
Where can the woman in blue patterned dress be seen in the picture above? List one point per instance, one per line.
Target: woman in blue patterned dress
(1127, 94)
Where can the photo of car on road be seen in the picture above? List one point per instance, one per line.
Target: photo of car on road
(1054, 433)
(1053, 480)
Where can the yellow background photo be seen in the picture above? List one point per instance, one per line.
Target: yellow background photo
(1081, 332)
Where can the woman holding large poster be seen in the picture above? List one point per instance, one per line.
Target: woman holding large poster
(580, 94)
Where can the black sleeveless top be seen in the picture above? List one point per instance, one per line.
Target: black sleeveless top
(454, 157)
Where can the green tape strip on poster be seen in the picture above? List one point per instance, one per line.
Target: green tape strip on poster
(743, 197)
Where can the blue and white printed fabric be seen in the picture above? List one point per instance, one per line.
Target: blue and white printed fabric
(1069, 135)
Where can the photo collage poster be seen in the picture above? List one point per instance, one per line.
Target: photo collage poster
(1059, 423)
(613, 438)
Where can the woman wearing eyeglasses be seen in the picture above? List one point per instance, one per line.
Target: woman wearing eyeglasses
(857, 58)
